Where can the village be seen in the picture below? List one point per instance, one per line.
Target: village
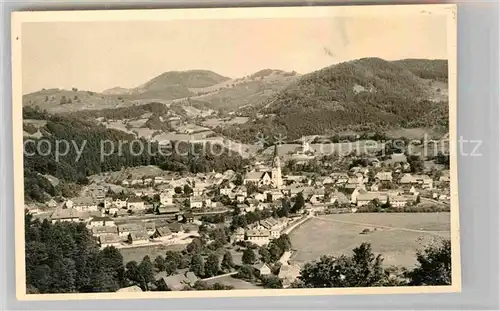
(254, 208)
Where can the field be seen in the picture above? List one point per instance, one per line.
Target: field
(396, 236)
(138, 253)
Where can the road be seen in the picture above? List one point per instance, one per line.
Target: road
(219, 276)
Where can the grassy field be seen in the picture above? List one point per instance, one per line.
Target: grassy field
(396, 236)
(138, 253)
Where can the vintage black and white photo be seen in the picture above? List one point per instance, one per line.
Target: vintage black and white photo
(174, 152)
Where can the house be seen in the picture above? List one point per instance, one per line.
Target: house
(288, 274)
(252, 203)
(110, 239)
(258, 178)
(162, 233)
(150, 227)
(258, 236)
(84, 204)
(263, 269)
(402, 200)
(423, 181)
(51, 203)
(135, 204)
(125, 229)
(98, 231)
(176, 227)
(240, 198)
(166, 199)
(375, 186)
(178, 282)
(100, 222)
(120, 203)
(138, 237)
(148, 181)
(259, 196)
(158, 180)
(275, 232)
(195, 202)
(274, 195)
(188, 217)
(339, 178)
(364, 198)
(167, 210)
(65, 214)
(383, 176)
(125, 183)
(239, 235)
(225, 190)
(198, 190)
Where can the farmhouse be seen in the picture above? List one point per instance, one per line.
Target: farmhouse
(65, 214)
(138, 237)
(166, 199)
(402, 200)
(195, 202)
(423, 180)
(110, 239)
(384, 176)
(263, 269)
(162, 233)
(366, 197)
(178, 282)
(100, 222)
(258, 236)
(98, 231)
(84, 204)
(125, 229)
(135, 204)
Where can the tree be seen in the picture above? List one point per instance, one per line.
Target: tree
(187, 190)
(146, 272)
(285, 208)
(238, 180)
(178, 190)
(434, 266)
(272, 281)
(227, 262)
(197, 266)
(212, 265)
(265, 256)
(299, 202)
(246, 272)
(196, 246)
(362, 269)
(160, 263)
(274, 252)
(248, 257)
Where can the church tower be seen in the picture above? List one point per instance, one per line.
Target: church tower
(276, 169)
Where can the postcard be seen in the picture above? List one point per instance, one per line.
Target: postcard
(235, 152)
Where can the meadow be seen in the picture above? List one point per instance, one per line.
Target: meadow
(397, 237)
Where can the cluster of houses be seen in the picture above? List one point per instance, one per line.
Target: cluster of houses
(261, 232)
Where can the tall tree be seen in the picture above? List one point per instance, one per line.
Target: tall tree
(160, 263)
(227, 262)
(265, 256)
(248, 257)
(299, 203)
(212, 265)
(197, 266)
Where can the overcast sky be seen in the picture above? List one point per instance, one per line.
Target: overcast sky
(99, 55)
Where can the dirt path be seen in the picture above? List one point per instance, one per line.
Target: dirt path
(436, 233)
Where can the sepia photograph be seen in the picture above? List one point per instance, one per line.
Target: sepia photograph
(230, 152)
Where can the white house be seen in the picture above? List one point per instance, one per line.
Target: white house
(166, 199)
(263, 269)
(111, 239)
(138, 238)
(258, 236)
(135, 204)
(195, 202)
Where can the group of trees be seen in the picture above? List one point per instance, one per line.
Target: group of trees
(65, 258)
(364, 269)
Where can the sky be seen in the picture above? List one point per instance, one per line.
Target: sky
(97, 55)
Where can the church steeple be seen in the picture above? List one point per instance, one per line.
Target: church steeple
(276, 169)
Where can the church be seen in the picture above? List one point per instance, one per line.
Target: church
(270, 177)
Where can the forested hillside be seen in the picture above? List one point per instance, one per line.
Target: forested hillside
(360, 95)
(94, 141)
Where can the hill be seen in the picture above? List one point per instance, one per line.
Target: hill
(250, 90)
(58, 100)
(360, 95)
(176, 84)
(426, 69)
